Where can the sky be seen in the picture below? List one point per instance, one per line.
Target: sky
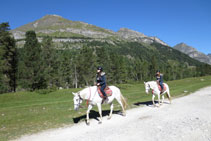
(173, 21)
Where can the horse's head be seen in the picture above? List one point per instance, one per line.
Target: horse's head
(77, 101)
(147, 87)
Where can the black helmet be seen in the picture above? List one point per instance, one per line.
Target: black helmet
(100, 68)
(157, 71)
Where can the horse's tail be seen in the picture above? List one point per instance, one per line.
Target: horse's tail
(168, 93)
(124, 102)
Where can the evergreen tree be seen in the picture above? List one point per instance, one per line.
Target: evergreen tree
(66, 69)
(8, 58)
(144, 70)
(49, 61)
(86, 66)
(32, 69)
(153, 67)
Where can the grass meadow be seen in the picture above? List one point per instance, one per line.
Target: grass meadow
(30, 112)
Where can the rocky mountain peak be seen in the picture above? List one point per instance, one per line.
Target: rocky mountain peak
(128, 33)
(138, 36)
(193, 53)
(185, 48)
(59, 27)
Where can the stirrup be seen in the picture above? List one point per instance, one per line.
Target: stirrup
(104, 99)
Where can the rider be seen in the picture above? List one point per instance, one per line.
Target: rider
(159, 78)
(101, 81)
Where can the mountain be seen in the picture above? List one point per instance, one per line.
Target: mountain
(138, 37)
(62, 29)
(57, 26)
(77, 48)
(209, 55)
(193, 53)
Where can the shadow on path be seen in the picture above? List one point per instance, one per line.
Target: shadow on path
(148, 103)
(94, 115)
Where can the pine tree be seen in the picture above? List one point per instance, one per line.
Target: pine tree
(8, 58)
(49, 60)
(32, 71)
(66, 69)
(86, 66)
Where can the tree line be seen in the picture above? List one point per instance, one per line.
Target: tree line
(41, 65)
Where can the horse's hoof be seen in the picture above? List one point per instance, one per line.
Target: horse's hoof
(87, 123)
(100, 122)
(109, 118)
(124, 114)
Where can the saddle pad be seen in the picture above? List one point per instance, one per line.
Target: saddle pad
(107, 90)
(159, 87)
(164, 87)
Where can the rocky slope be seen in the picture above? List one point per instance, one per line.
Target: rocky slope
(209, 55)
(67, 30)
(57, 26)
(138, 37)
(193, 53)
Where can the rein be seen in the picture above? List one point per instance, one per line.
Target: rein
(80, 98)
(87, 102)
(151, 88)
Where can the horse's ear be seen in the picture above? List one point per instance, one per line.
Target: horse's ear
(73, 93)
(144, 82)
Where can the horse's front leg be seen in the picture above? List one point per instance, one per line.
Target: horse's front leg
(162, 99)
(100, 112)
(158, 100)
(111, 110)
(87, 114)
(153, 100)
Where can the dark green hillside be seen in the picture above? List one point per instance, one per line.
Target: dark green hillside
(65, 54)
(73, 64)
(170, 53)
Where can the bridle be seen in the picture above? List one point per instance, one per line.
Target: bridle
(149, 87)
(80, 99)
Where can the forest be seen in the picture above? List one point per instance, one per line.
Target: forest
(42, 65)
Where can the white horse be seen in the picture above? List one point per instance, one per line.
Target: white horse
(155, 91)
(91, 95)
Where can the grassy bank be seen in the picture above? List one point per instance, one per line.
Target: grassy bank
(29, 112)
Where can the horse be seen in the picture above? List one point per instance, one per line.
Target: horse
(155, 91)
(91, 95)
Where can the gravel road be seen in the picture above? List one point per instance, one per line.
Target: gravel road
(188, 118)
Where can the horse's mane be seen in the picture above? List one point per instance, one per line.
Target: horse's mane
(151, 82)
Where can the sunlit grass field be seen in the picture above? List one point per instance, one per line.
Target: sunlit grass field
(30, 112)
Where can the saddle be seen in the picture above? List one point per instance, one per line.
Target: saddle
(107, 90)
(164, 87)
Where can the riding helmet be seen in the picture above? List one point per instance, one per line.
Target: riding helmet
(100, 68)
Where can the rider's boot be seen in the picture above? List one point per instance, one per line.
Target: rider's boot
(104, 99)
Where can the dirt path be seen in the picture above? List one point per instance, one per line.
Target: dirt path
(187, 118)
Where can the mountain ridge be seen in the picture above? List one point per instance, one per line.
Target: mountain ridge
(55, 25)
(193, 53)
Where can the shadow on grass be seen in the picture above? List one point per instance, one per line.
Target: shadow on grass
(95, 115)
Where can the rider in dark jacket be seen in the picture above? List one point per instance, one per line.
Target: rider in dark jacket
(159, 78)
(101, 80)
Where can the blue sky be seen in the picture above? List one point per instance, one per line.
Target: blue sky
(173, 21)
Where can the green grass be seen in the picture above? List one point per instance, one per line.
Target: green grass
(29, 112)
